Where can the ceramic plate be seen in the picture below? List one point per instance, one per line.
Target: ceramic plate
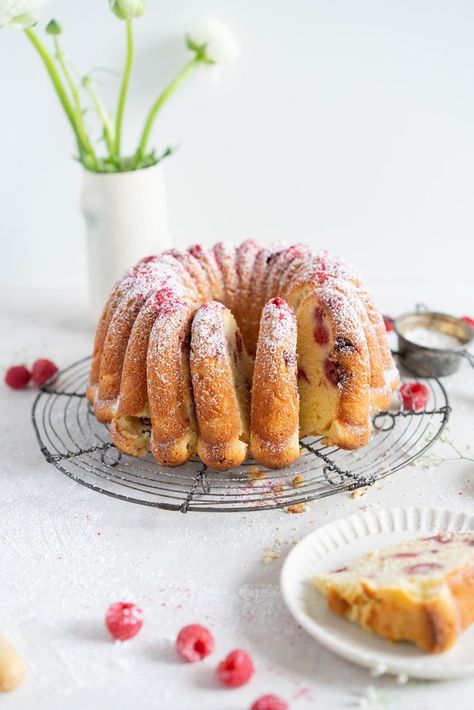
(346, 539)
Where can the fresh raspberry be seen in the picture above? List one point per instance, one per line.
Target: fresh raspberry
(17, 377)
(269, 702)
(42, 371)
(124, 620)
(469, 320)
(236, 669)
(194, 642)
(414, 396)
(388, 324)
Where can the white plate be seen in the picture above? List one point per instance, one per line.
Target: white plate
(346, 539)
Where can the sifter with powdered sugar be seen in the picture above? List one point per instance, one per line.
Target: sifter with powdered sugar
(433, 344)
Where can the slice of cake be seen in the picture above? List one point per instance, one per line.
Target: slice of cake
(420, 591)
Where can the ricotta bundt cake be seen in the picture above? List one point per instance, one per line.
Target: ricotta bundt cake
(420, 591)
(303, 314)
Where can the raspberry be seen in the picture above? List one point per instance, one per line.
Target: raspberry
(278, 302)
(124, 620)
(320, 333)
(269, 702)
(42, 371)
(17, 377)
(469, 320)
(194, 642)
(414, 396)
(388, 324)
(423, 568)
(236, 669)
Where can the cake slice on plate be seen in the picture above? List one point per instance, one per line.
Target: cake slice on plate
(420, 591)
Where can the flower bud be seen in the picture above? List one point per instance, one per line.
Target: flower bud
(212, 41)
(53, 27)
(127, 9)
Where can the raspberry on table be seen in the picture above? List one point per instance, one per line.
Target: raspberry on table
(42, 371)
(17, 377)
(414, 395)
(194, 642)
(124, 620)
(388, 324)
(236, 669)
(269, 702)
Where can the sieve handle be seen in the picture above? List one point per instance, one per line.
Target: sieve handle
(469, 356)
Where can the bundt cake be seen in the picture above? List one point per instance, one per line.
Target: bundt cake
(154, 378)
(221, 373)
(274, 417)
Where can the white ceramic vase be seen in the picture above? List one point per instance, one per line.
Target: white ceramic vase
(126, 219)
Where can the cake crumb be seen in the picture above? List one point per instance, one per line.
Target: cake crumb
(270, 555)
(255, 472)
(259, 475)
(254, 469)
(359, 492)
(297, 481)
(298, 508)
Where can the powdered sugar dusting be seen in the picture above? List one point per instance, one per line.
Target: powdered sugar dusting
(278, 326)
(343, 307)
(207, 336)
(208, 261)
(245, 260)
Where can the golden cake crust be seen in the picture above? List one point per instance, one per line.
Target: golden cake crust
(120, 289)
(274, 438)
(174, 433)
(220, 372)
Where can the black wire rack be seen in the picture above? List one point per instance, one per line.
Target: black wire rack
(72, 439)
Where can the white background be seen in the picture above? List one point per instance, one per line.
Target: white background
(345, 124)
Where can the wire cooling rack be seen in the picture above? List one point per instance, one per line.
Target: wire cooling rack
(72, 439)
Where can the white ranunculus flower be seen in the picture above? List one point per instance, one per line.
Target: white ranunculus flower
(127, 9)
(218, 42)
(20, 13)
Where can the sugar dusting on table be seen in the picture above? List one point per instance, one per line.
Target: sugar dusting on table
(430, 338)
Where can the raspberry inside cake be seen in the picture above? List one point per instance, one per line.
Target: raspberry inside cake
(420, 591)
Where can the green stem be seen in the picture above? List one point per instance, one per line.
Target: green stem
(103, 115)
(57, 83)
(76, 101)
(170, 89)
(124, 87)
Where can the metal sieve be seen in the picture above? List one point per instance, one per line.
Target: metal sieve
(433, 362)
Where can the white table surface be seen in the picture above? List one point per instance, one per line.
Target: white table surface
(66, 553)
